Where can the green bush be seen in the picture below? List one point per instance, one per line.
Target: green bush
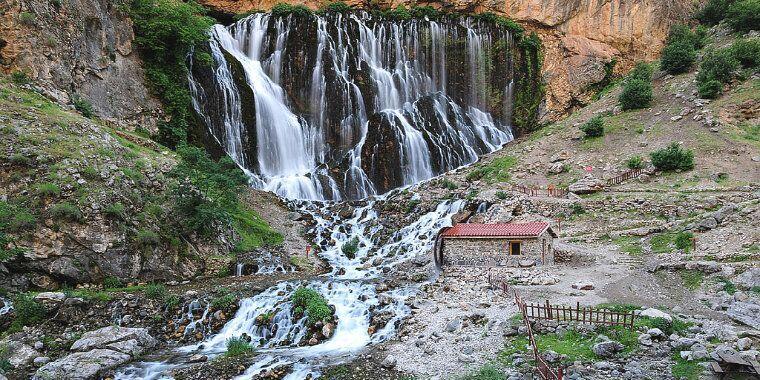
(48, 190)
(335, 7)
(28, 312)
(27, 18)
(449, 184)
(310, 301)
(112, 282)
(673, 158)
(156, 291)
(426, 11)
(709, 89)
(501, 21)
(83, 106)
(116, 211)
(238, 346)
(399, 13)
(680, 32)
(594, 127)
(719, 65)
(350, 248)
(636, 94)
(635, 162)
(284, 9)
(224, 300)
(747, 52)
(642, 71)
(66, 211)
(19, 78)
(577, 209)
(744, 15)
(713, 12)
(678, 57)
(683, 240)
(501, 194)
(166, 31)
(147, 238)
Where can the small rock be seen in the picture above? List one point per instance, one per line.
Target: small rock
(389, 362)
(744, 344)
(197, 358)
(41, 360)
(583, 285)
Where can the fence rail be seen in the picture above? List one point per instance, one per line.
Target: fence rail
(633, 173)
(548, 191)
(583, 314)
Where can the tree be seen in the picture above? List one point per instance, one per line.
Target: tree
(678, 57)
(673, 158)
(636, 94)
(594, 127)
(744, 16)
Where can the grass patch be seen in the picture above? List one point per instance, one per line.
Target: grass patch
(728, 286)
(254, 231)
(224, 300)
(156, 291)
(498, 170)
(486, 372)
(684, 369)
(312, 303)
(630, 245)
(238, 347)
(28, 312)
(692, 279)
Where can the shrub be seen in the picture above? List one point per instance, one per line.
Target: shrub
(284, 9)
(678, 57)
(147, 238)
(719, 65)
(19, 78)
(112, 282)
(487, 372)
(83, 106)
(635, 162)
(27, 18)
(713, 12)
(594, 127)
(498, 170)
(48, 190)
(224, 300)
(449, 184)
(310, 301)
(238, 346)
(744, 15)
(156, 291)
(116, 211)
(747, 51)
(399, 13)
(21, 220)
(28, 312)
(577, 209)
(501, 194)
(642, 71)
(350, 248)
(335, 7)
(709, 89)
(426, 11)
(66, 211)
(636, 94)
(673, 158)
(683, 240)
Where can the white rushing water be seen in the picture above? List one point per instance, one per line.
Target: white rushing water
(316, 153)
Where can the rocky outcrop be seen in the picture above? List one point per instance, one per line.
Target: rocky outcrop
(79, 48)
(582, 39)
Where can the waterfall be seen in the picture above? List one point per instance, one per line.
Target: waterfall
(311, 105)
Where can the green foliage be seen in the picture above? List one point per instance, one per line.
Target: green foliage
(449, 184)
(503, 22)
(83, 106)
(501, 194)
(498, 170)
(713, 12)
(224, 300)
(594, 127)
(672, 158)
(728, 286)
(66, 211)
(686, 369)
(719, 65)
(284, 9)
(112, 282)
(147, 238)
(48, 190)
(709, 89)
(530, 89)
(642, 71)
(254, 231)
(426, 11)
(681, 32)
(19, 78)
(313, 303)
(683, 240)
(156, 291)
(636, 94)
(28, 312)
(487, 372)
(116, 211)
(27, 18)
(635, 162)
(692, 279)
(678, 57)
(166, 31)
(747, 51)
(412, 204)
(350, 248)
(577, 209)
(335, 7)
(238, 346)
(744, 15)
(399, 13)
(172, 302)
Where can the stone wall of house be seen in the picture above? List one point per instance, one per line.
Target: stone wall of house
(495, 252)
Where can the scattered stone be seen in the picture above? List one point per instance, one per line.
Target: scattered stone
(748, 280)
(645, 340)
(587, 185)
(389, 362)
(52, 297)
(607, 349)
(581, 285)
(41, 360)
(744, 344)
(454, 325)
(745, 312)
(197, 358)
(656, 333)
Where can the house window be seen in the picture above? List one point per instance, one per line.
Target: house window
(515, 248)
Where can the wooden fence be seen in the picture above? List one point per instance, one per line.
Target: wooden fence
(583, 314)
(549, 191)
(542, 366)
(633, 173)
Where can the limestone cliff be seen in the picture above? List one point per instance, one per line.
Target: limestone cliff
(581, 38)
(78, 48)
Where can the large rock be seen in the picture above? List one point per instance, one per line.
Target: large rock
(82, 365)
(749, 279)
(655, 313)
(586, 185)
(20, 353)
(607, 349)
(132, 341)
(745, 312)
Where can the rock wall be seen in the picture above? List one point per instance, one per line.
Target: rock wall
(78, 48)
(495, 252)
(581, 38)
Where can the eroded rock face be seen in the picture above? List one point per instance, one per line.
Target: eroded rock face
(581, 38)
(79, 48)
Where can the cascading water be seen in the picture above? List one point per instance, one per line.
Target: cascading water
(352, 105)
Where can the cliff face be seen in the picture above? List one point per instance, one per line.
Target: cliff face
(78, 48)
(581, 37)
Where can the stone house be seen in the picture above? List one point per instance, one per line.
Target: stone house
(496, 244)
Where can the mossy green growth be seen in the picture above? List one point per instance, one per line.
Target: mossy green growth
(312, 303)
(692, 279)
(685, 369)
(285, 9)
(237, 346)
(254, 231)
(27, 311)
(486, 372)
(529, 85)
(498, 170)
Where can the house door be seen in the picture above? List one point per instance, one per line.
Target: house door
(514, 248)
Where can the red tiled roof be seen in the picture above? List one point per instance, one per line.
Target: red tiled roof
(496, 229)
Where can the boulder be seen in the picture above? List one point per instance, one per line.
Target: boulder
(560, 156)
(607, 349)
(556, 168)
(583, 285)
(656, 333)
(655, 313)
(745, 312)
(389, 362)
(453, 325)
(587, 185)
(82, 365)
(748, 280)
(20, 353)
(124, 339)
(645, 340)
(53, 297)
(744, 344)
